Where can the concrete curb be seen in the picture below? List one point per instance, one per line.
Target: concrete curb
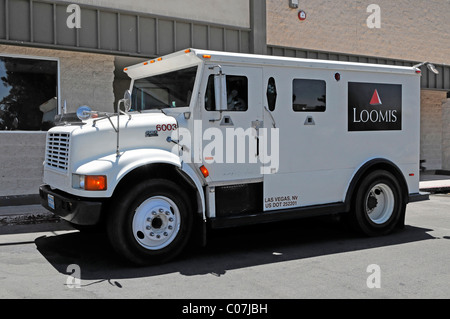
(435, 184)
(26, 214)
(436, 190)
(15, 200)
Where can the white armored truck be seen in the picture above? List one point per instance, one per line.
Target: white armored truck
(211, 139)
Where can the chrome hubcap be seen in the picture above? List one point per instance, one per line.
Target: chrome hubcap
(379, 203)
(156, 222)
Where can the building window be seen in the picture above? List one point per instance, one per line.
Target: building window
(308, 95)
(237, 93)
(28, 93)
(271, 94)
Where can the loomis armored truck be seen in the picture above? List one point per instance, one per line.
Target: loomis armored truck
(207, 139)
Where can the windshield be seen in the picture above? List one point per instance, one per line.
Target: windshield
(173, 89)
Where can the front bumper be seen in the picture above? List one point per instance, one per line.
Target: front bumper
(80, 211)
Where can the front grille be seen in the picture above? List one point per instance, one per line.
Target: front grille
(57, 151)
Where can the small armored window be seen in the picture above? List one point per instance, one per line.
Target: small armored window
(271, 94)
(237, 93)
(308, 95)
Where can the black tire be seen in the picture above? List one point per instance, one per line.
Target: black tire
(377, 204)
(151, 223)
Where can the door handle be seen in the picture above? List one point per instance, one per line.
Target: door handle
(226, 121)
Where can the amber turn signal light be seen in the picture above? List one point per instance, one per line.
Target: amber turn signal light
(95, 183)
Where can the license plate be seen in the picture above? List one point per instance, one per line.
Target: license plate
(51, 201)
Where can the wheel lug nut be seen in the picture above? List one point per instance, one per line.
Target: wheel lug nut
(148, 227)
(152, 234)
(157, 236)
(170, 219)
(170, 227)
(167, 213)
(166, 234)
(161, 210)
(153, 213)
(149, 219)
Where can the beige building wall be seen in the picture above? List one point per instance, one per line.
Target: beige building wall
(21, 155)
(85, 79)
(413, 30)
(432, 124)
(446, 134)
(229, 12)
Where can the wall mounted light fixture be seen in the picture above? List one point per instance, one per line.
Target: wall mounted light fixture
(293, 4)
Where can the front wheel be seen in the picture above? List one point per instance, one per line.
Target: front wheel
(151, 223)
(378, 204)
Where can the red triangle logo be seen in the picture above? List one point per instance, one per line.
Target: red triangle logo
(375, 99)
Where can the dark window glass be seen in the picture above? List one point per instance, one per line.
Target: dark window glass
(271, 94)
(308, 95)
(237, 93)
(173, 89)
(28, 94)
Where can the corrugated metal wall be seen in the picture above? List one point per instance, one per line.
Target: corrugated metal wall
(44, 24)
(429, 79)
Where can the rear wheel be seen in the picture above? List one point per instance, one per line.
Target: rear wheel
(151, 223)
(378, 204)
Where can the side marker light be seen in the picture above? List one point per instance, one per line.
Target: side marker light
(204, 171)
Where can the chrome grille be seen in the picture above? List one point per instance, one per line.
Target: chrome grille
(57, 151)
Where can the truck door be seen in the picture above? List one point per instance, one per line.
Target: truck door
(311, 135)
(230, 137)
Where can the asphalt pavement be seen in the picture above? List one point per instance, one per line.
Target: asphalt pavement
(309, 258)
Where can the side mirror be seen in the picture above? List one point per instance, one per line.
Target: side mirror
(429, 65)
(220, 91)
(127, 100)
(432, 68)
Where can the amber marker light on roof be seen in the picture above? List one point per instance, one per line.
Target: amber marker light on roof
(187, 51)
(159, 59)
(206, 56)
(126, 69)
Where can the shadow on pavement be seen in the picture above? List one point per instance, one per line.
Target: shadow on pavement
(227, 249)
